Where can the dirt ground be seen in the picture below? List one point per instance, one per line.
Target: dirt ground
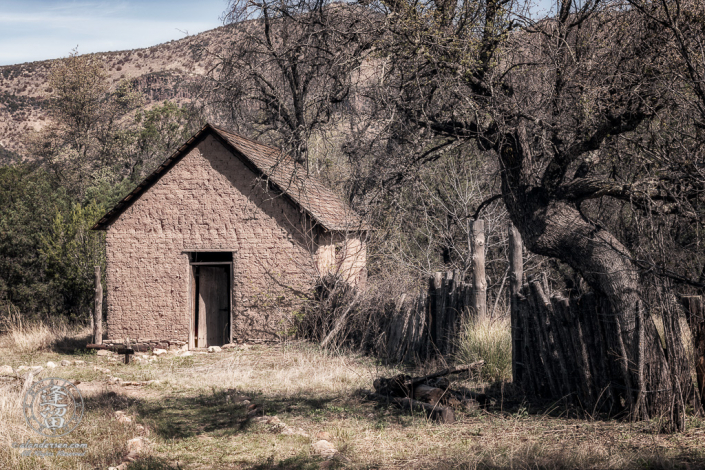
(269, 406)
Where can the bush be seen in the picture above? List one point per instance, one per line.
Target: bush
(489, 339)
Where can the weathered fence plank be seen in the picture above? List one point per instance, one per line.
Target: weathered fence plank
(516, 276)
(479, 281)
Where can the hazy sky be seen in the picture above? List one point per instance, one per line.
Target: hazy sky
(48, 29)
(33, 30)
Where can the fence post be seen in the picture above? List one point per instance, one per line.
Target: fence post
(479, 281)
(516, 274)
(695, 314)
(98, 309)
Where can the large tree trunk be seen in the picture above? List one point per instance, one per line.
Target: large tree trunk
(555, 228)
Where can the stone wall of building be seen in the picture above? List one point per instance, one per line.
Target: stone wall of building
(209, 201)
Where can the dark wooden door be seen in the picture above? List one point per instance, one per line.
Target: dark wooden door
(213, 306)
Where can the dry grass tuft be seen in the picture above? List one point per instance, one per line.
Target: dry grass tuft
(29, 337)
(489, 339)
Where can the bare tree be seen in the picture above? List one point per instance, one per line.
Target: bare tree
(557, 102)
(289, 68)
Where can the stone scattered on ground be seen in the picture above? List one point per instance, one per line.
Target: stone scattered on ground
(324, 448)
(158, 352)
(229, 346)
(65, 363)
(245, 346)
(185, 353)
(103, 352)
(213, 349)
(135, 447)
(122, 417)
(324, 436)
(51, 365)
(100, 369)
(6, 370)
(79, 362)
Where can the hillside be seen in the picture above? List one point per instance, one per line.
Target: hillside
(162, 72)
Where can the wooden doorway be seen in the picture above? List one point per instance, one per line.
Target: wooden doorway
(211, 292)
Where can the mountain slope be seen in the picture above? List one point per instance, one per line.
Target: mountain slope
(161, 72)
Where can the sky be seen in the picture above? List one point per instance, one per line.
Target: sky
(32, 30)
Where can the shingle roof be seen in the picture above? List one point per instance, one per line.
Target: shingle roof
(282, 172)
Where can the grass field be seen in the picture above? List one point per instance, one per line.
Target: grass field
(193, 420)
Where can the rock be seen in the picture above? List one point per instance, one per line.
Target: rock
(229, 346)
(122, 417)
(103, 352)
(153, 382)
(158, 352)
(324, 448)
(186, 354)
(51, 365)
(213, 349)
(137, 445)
(324, 436)
(65, 363)
(23, 368)
(36, 369)
(78, 362)
(245, 346)
(6, 370)
(114, 380)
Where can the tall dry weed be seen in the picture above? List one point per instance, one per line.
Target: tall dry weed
(25, 337)
(489, 339)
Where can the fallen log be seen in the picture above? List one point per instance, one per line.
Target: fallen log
(397, 385)
(442, 414)
(402, 385)
(428, 394)
(450, 371)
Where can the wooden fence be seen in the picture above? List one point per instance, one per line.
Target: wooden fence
(563, 346)
(570, 347)
(428, 324)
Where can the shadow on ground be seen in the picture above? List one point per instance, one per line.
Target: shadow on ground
(71, 344)
(180, 417)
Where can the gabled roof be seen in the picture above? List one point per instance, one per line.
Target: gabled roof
(281, 171)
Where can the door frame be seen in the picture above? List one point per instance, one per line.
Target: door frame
(193, 300)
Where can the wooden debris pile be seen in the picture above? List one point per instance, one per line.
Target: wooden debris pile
(430, 394)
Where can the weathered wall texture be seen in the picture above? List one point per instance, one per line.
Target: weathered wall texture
(209, 201)
(344, 254)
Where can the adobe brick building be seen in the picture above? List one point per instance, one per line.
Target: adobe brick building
(217, 244)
